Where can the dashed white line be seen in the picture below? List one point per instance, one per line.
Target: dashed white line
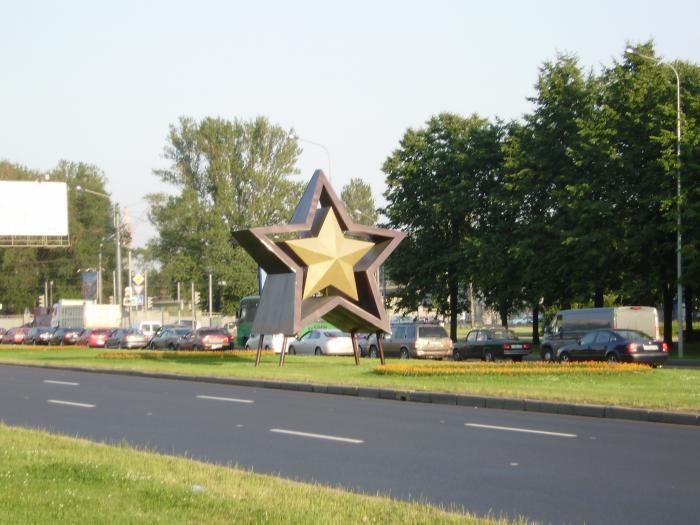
(68, 383)
(70, 403)
(316, 436)
(229, 399)
(526, 430)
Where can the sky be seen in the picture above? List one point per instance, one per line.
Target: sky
(101, 82)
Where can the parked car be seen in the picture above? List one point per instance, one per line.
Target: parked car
(628, 346)
(98, 336)
(38, 335)
(15, 335)
(126, 338)
(322, 342)
(168, 337)
(490, 344)
(2, 331)
(270, 342)
(65, 336)
(420, 339)
(84, 337)
(570, 325)
(205, 339)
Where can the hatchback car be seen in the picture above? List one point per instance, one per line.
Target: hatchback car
(490, 344)
(628, 346)
(98, 336)
(205, 339)
(322, 342)
(126, 338)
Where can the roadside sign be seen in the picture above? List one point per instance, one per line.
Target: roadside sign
(138, 279)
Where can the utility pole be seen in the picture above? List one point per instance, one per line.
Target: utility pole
(210, 307)
(99, 276)
(194, 311)
(145, 289)
(118, 247)
(179, 304)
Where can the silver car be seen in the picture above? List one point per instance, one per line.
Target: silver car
(322, 342)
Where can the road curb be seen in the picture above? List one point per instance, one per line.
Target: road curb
(441, 398)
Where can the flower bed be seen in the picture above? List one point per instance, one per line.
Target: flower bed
(448, 368)
(170, 354)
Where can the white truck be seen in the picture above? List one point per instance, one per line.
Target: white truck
(75, 313)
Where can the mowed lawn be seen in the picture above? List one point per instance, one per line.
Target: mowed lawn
(48, 479)
(672, 389)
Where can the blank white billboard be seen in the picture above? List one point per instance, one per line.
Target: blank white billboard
(33, 208)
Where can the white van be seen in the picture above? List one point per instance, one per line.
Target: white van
(149, 328)
(569, 325)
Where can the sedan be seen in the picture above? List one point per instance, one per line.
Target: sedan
(38, 335)
(206, 339)
(65, 336)
(126, 338)
(168, 337)
(98, 336)
(490, 344)
(270, 342)
(15, 335)
(628, 346)
(322, 342)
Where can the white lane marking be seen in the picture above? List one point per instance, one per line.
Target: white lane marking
(316, 436)
(70, 403)
(527, 430)
(229, 399)
(68, 383)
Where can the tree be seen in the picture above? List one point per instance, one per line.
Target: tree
(229, 175)
(357, 197)
(437, 191)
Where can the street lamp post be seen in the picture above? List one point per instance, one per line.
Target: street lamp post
(117, 242)
(297, 137)
(679, 311)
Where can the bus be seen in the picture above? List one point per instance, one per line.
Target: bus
(246, 315)
(244, 318)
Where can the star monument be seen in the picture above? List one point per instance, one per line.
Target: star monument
(320, 265)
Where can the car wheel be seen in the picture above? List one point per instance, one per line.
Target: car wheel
(373, 352)
(564, 358)
(267, 347)
(247, 347)
(612, 357)
(318, 351)
(547, 354)
(403, 354)
(488, 355)
(456, 356)
(657, 365)
(171, 346)
(292, 350)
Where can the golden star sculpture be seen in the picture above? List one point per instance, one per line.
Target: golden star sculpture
(330, 258)
(327, 256)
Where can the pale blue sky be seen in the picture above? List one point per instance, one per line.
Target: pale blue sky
(100, 82)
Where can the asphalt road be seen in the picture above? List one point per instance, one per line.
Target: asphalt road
(551, 468)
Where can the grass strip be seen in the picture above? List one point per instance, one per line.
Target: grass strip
(665, 389)
(48, 479)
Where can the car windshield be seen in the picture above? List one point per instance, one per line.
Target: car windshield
(504, 334)
(335, 333)
(431, 331)
(102, 331)
(182, 331)
(633, 335)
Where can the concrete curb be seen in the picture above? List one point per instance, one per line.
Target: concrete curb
(439, 398)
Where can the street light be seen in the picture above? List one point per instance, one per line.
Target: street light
(297, 137)
(679, 313)
(117, 241)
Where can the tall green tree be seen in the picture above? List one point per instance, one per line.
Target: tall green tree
(358, 199)
(227, 175)
(437, 191)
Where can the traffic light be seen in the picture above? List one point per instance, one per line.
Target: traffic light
(42, 301)
(196, 297)
(149, 303)
(111, 299)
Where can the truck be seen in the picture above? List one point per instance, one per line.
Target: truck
(74, 313)
(569, 325)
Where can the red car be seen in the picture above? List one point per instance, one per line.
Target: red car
(15, 335)
(206, 339)
(98, 336)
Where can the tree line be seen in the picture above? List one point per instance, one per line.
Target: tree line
(573, 205)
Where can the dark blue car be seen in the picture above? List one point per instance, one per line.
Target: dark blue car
(627, 346)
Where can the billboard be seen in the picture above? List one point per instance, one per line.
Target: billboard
(33, 209)
(89, 286)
